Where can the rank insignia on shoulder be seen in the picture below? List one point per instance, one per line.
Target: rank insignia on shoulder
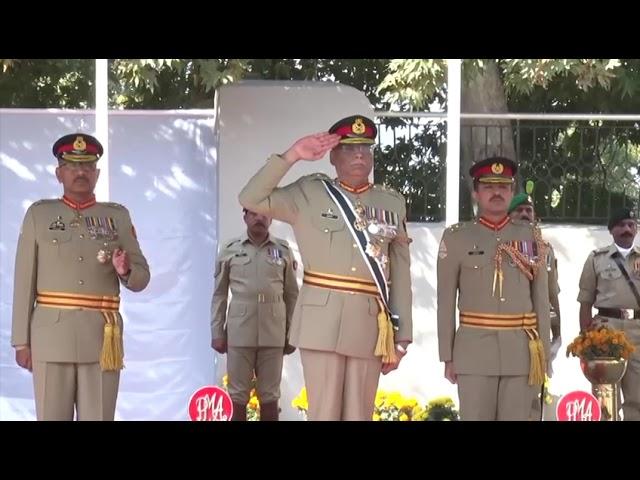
(455, 227)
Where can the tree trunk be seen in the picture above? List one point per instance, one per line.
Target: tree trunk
(482, 138)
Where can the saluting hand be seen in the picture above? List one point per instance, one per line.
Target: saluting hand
(120, 260)
(312, 147)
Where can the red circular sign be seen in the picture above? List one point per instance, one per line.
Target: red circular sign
(578, 406)
(210, 404)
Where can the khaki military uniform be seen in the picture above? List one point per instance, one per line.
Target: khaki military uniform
(603, 285)
(554, 288)
(264, 291)
(63, 298)
(337, 329)
(490, 349)
(554, 316)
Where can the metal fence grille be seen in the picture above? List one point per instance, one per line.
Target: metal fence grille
(582, 170)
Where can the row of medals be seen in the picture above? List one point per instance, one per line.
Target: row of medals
(104, 254)
(380, 230)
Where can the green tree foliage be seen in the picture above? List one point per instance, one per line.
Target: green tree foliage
(578, 167)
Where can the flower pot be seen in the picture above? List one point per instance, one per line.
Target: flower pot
(605, 375)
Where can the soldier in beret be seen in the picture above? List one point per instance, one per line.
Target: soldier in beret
(522, 209)
(259, 271)
(610, 281)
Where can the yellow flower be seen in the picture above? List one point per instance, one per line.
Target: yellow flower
(225, 380)
(393, 406)
(410, 403)
(599, 342)
(394, 399)
(254, 403)
(441, 401)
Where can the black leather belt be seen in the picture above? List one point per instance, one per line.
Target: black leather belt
(621, 313)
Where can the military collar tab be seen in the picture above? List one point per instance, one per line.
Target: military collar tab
(494, 226)
(360, 189)
(78, 206)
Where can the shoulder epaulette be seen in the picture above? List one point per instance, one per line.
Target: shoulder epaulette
(455, 227)
(113, 204)
(282, 243)
(231, 242)
(44, 201)
(389, 190)
(314, 177)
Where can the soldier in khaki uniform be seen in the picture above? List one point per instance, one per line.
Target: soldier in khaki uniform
(353, 242)
(495, 267)
(73, 254)
(521, 208)
(616, 294)
(260, 272)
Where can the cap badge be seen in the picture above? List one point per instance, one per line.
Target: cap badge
(497, 168)
(79, 144)
(358, 127)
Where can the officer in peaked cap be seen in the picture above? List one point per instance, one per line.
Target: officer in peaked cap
(353, 316)
(73, 256)
(493, 267)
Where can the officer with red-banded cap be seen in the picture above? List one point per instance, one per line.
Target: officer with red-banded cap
(495, 268)
(73, 255)
(353, 315)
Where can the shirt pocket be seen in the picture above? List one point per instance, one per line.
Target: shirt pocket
(56, 242)
(609, 272)
(331, 221)
(239, 265)
(474, 271)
